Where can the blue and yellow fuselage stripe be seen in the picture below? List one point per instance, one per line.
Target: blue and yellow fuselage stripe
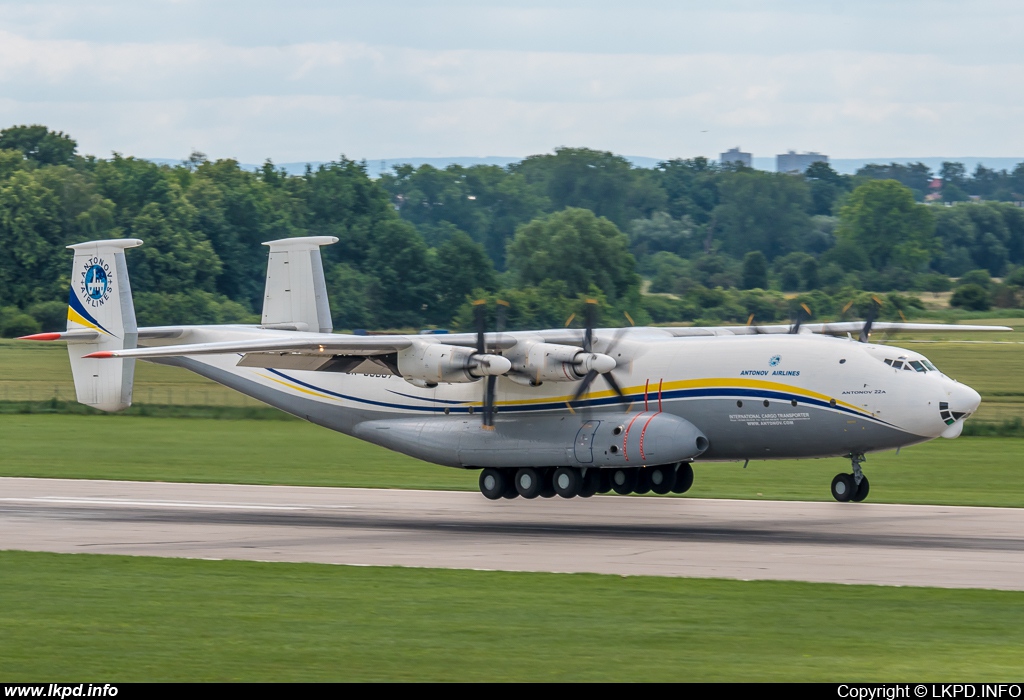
(713, 388)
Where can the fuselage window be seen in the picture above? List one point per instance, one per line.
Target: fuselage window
(918, 366)
(896, 364)
(929, 365)
(889, 362)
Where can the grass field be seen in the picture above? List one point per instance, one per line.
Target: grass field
(968, 471)
(102, 618)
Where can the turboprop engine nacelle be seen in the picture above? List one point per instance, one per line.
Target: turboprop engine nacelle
(434, 363)
(546, 362)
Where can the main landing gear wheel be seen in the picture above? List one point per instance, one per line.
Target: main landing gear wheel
(623, 480)
(590, 483)
(684, 478)
(843, 487)
(567, 482)
(643, 481)
(528, 482)
(510, 484)
(862, 490)
(547, 483)
(605, 475)
(493, 483)
(662, 478)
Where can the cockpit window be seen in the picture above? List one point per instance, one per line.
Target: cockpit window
(911, 365)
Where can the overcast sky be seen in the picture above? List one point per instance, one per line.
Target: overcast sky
(297, 81)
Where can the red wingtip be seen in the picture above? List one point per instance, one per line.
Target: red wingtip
(41, 336)
(101, 355)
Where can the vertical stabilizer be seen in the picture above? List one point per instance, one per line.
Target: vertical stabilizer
(296, 293)
(101, 301)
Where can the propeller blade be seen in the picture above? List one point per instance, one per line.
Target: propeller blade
(480, 316)
(488, 412)
(613, 384)
(584, 386)
(804, 309)
(503, 307)
(865, 332)
(591, 316)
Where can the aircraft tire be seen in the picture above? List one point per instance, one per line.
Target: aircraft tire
(567, 482)
(547, 483)
(643, 481)
(492, 483)
(591, 482)
(510, 484)
(606, 480)
(623, 480)
(684, 478)
(862, 490)
(843, 487)
(663, 478)
(528, 482)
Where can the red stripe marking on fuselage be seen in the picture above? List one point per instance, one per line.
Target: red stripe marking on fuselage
(625, 436)
(642, 433)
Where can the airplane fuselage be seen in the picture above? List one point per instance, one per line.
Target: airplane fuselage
(749, 397)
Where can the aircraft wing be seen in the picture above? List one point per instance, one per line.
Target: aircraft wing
(840, 328)
(330, 344)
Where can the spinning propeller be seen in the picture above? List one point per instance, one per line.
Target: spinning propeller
(492, 363)
(802, 313)
(865, 331)
(597, 363)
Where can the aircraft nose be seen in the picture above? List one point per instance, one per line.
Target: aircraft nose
(963, 399)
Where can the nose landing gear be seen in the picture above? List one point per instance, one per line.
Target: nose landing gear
(851, 487)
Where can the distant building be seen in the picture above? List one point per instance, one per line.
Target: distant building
(797, 163)
(735, 155)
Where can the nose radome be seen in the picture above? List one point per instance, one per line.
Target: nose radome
(964, 399)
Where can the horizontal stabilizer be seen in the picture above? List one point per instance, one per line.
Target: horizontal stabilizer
(315, 345)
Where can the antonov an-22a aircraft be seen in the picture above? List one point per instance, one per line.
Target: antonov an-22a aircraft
(523, 406)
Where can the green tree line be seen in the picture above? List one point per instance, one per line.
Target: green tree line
(687, 240)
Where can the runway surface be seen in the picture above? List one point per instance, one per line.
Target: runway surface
(953, 547)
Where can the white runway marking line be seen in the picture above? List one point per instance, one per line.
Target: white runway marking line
(159, 504)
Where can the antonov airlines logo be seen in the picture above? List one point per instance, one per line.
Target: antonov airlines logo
(775, 361)
(95, 283)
